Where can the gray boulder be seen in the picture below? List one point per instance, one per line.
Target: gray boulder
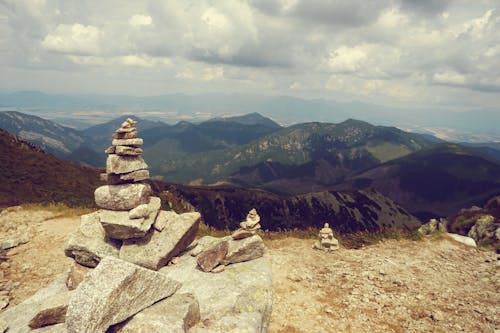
(51, 311)
(18, 317)
(239, 299)
(89, 244)
(157, 248)
(432, 226)
(209, 259)
(244, 250)
(118, 225)
(114, 291)
(485, 230)
(122, 197)
(176, 314)
(149, 210)
(76, 275)
(124, 164)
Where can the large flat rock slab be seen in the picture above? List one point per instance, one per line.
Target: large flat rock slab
(89, 244)
(19, 316)
(122, 197)
(157, 248)
(176, 314)
(119, 225)
(114, 291)
(238, 299)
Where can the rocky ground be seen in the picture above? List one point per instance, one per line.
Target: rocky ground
(435, 285)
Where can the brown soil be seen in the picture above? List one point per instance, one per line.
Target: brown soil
(395, 286)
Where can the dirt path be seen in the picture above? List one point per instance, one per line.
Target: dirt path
(394, 286)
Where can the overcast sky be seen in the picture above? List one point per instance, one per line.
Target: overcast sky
(402, 52)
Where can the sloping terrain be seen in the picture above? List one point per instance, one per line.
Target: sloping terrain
(28, 174)
(394, 286)
(224, 207)
(51, 137)
(437, 181)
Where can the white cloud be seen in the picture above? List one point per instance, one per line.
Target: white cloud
(75, 38)
(213, 73)
(138, 20)
(130, 60)
(449, 77)
(393, 49)
(347, 59)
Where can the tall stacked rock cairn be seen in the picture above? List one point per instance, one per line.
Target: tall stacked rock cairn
(136, 269)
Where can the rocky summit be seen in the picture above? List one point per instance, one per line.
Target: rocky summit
(131, 257)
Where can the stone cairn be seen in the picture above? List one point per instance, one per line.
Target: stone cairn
(127, 242)
(326, 240)
(130, 224)
(243, 245)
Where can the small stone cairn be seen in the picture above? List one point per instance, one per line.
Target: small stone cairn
(243, 245)
(248, 227)
(130, 224)
(326, 240)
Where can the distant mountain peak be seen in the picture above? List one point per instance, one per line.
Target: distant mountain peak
(253, 118)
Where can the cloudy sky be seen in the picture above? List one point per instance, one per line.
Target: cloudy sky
(442, 53)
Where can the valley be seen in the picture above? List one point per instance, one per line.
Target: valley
(427, 176)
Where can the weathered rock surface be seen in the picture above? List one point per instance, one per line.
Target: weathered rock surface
(463, 239)
(112, 292)
(432, 226)
(128, 151)
(238, 299)
(163, 219)
(115, 179)
(156, 249)
(146, 210)
(125, 135)
(51, 311)
(210, 258)
(242, 233)
(9, 243)
(124, 164)
(76, 275)
(176, 314)
(3, 326)
(89, 244)
(485, 230)
(57, 328)
(245, 249)
(118, 225)
(127, 142)
(18, 317)
(139, 212)
(122, 197)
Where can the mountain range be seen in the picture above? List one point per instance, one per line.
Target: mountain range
(426, 175)
(77, 109)
(31, 175)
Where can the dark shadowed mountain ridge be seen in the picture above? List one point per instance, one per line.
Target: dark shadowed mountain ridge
(29, 174)
(350, 211)
(436, 181)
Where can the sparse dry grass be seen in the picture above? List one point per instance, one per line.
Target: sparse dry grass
(60, 209)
